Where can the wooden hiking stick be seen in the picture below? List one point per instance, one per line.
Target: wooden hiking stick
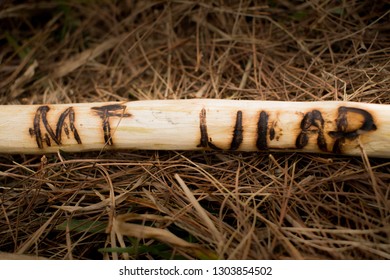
(321, 127)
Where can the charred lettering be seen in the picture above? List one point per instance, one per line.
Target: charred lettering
(204, 138)
(68, 113)
(41, 118)
(272, 133)
(105, 113)
(237, 133)
(346, 130)
(310, 120)
(206, 141)
(262, 127)
(47, 140)
(349, 124)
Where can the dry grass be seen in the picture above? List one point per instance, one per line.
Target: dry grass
(159, 205)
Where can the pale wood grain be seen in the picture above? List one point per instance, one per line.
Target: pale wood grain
(197, 124)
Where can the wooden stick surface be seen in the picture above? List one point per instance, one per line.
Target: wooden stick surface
(197, 124)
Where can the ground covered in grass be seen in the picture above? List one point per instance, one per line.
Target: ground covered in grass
(194, 205)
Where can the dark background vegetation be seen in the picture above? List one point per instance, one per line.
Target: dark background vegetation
(243, 205)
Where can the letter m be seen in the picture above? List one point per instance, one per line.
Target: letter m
(49, 134)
